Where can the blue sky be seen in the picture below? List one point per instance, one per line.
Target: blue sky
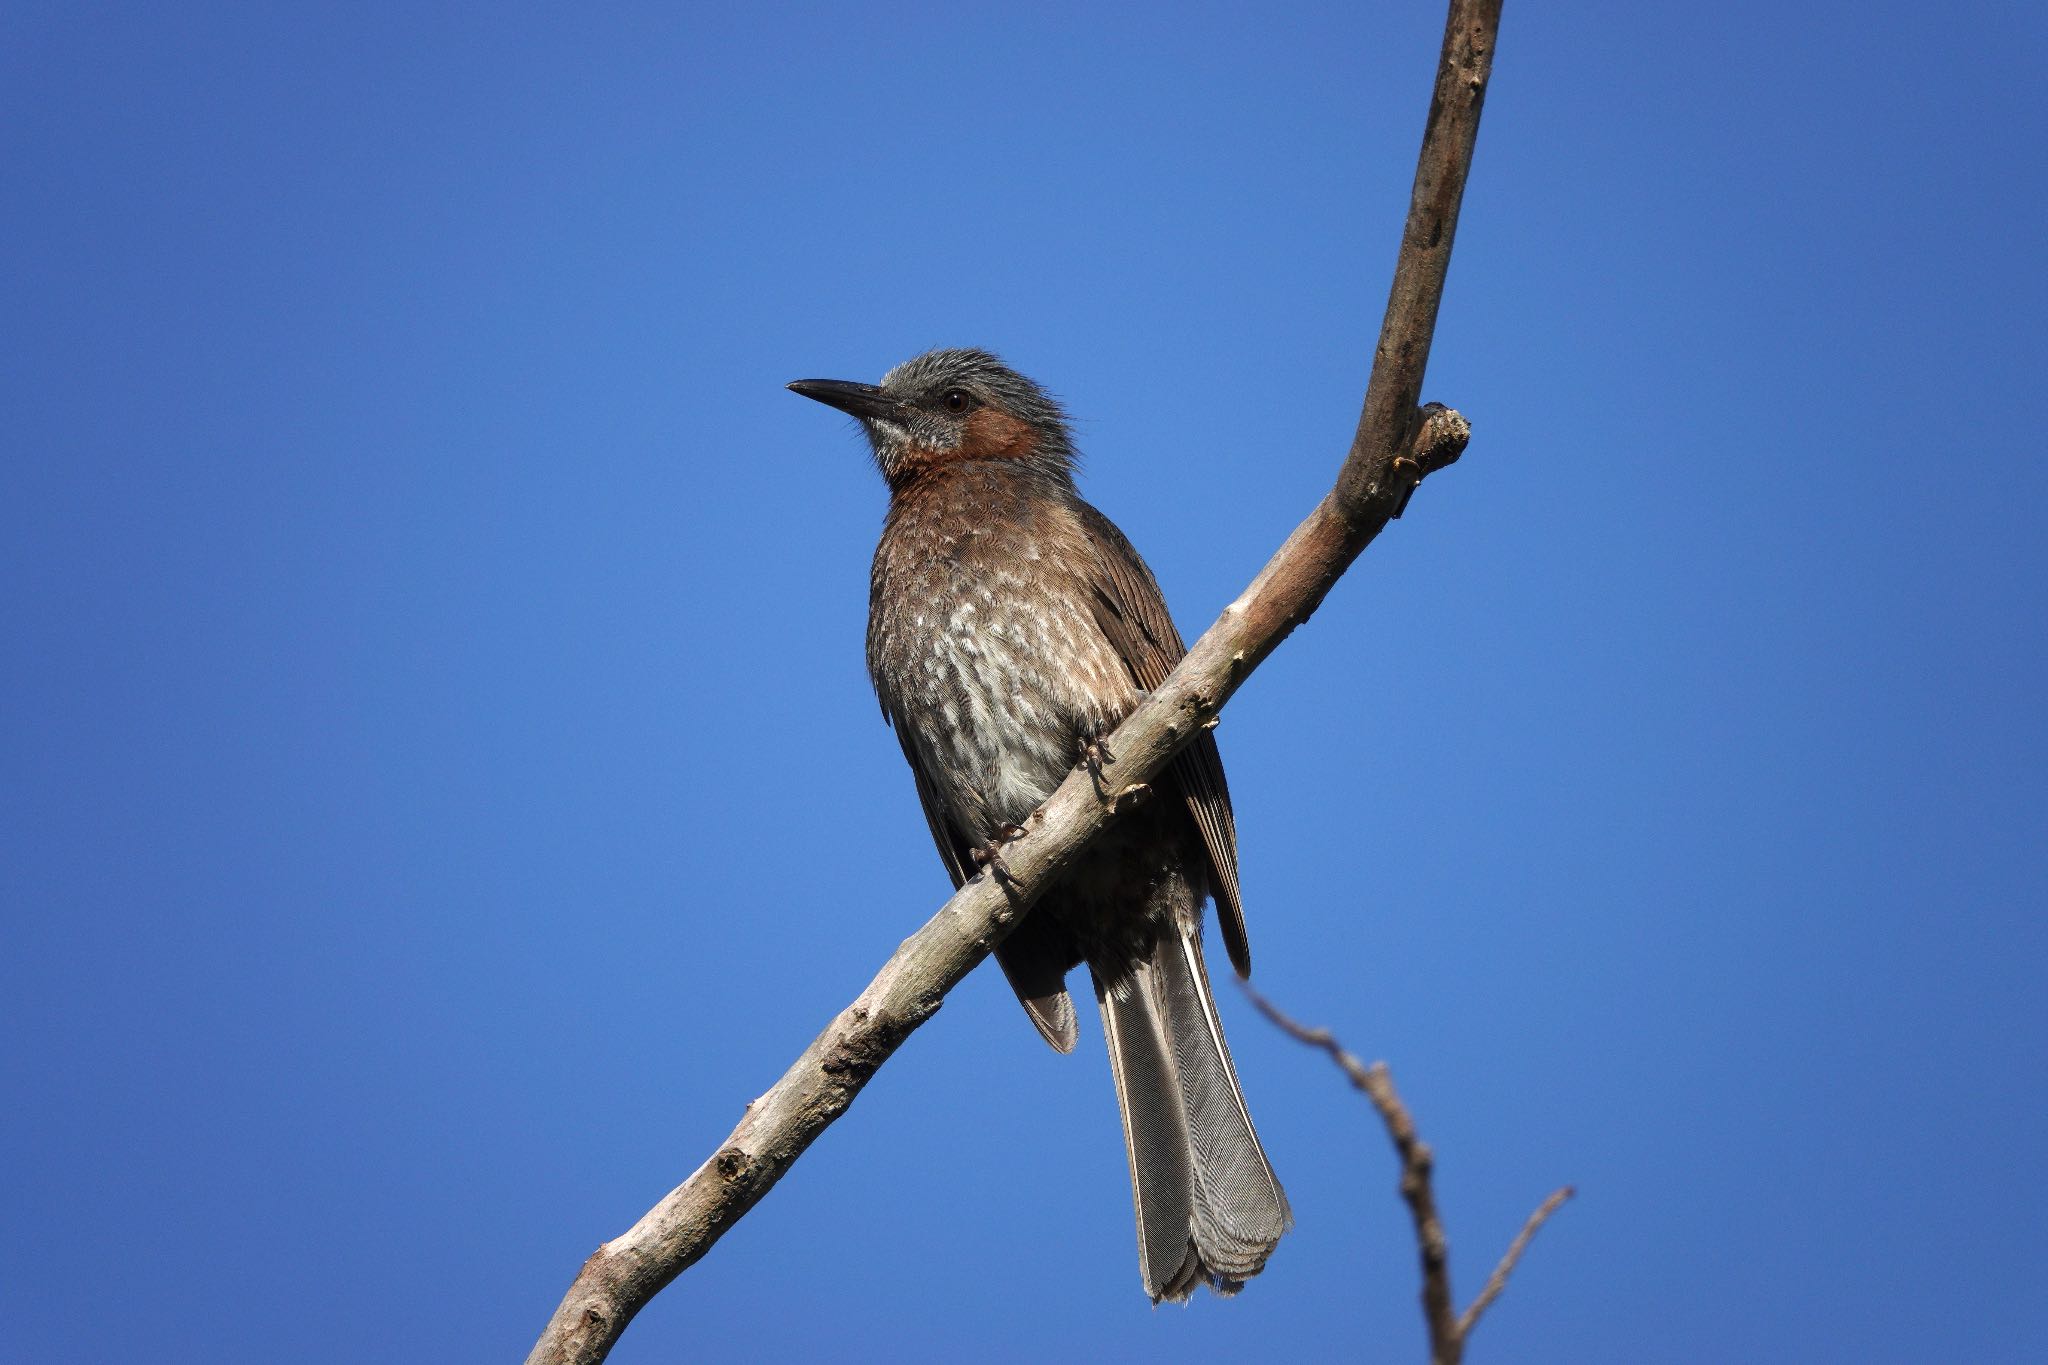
(439, 786)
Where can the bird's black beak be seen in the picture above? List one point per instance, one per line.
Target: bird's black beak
(864, 401)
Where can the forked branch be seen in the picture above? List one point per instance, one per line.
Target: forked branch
(1448, 1328)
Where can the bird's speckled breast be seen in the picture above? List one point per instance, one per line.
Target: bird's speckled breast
(982, 640)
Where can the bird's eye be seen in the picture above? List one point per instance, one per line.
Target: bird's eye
(957, 400)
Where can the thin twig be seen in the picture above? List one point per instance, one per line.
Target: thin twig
(1448, 1329)
(1396, 445)
(1417, 1163)
(1499, 1279)
(1350, 1063)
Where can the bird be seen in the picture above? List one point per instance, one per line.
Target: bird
(1011, 626)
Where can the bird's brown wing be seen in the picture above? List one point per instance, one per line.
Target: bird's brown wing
(1038, 954)
(1131, 612)
(953, 849)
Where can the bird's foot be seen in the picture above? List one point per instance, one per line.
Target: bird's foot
(990, 855)
(1094, 755)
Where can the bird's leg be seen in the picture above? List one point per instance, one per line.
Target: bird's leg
(1094, 754)
(990, 854)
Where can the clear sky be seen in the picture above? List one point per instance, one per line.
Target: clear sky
(439, 786)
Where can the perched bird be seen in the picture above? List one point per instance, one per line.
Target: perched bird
(1010, 627)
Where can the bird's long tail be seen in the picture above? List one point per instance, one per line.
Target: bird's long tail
(1210, 1209)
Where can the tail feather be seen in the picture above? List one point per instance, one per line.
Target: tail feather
(1209, 1207)
(1240, 1210)
(1155, 1133)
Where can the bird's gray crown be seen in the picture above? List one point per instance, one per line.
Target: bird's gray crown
(924, 380)
(947, 406)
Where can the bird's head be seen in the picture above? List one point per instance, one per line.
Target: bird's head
(948, 407)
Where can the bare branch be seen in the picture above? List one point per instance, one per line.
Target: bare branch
(1361, 1075)
(1499, 1279)
(1448, 1329)
(1395, 447)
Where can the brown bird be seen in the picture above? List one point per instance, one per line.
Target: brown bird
(1010, 627)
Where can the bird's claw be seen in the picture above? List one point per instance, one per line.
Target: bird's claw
(990, 855)
(1095, 755)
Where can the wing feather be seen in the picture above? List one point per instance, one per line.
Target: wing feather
(1131, 611)
(953, 850)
